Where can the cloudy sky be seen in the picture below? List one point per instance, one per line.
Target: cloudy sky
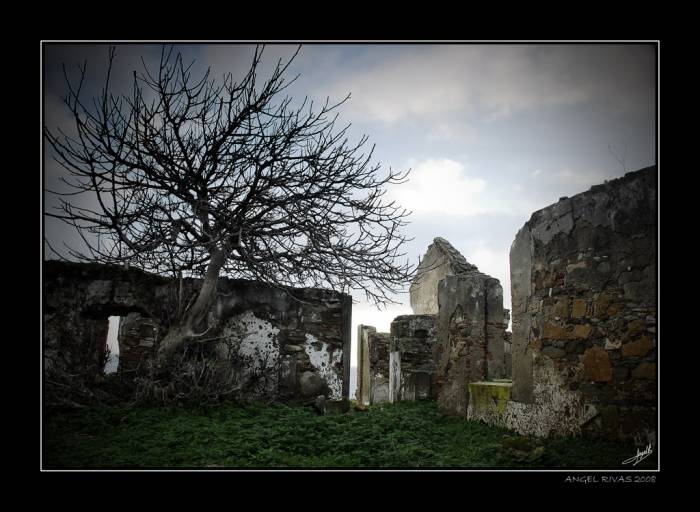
(491, 133)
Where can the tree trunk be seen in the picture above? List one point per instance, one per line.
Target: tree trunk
(184, 329)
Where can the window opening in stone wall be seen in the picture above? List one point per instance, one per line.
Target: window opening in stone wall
(113, 345)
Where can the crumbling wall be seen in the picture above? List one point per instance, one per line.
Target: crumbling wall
(78, 299)
(440, 260)
(284, 348)
(137, 337)
(373, 365)
(379, 345)
(363, 391)
(301, 347)
(412, 357)
(471, 335)
(508, 355)
(584, 349)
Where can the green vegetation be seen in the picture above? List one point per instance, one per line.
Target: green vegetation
(403, 435)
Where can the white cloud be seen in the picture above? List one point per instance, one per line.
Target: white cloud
(443, 186)
(536, 173)
(490, 260)
(440, 185)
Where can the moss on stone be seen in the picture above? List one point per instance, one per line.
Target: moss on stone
(489, 396)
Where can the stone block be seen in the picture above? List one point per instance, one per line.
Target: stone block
(581, 331)
(636, 327)
(601, 304)
(553, 331)
(645, 371)
(596, 365)
(488, 401)
(578, 309)
(638, 348)
(553, 353)
(561, 308)
(614, 309)
(311, 384)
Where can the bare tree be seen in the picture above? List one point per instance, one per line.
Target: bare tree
(195, 178)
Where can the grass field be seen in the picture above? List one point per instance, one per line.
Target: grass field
(403, 435)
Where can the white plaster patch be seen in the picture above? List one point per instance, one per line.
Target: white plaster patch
(325, 363)
(556, 409)
(255, 342)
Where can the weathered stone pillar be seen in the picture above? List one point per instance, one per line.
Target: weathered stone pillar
(379, 366)
(346, 334)
(520, 282)
(471, 335)
(496, 325)
(363, 393)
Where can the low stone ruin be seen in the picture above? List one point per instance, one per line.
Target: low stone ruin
(284, 343)
(398, 365)
(456, 335)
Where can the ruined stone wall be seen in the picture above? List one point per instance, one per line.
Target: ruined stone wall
(373, 365)
(379, 346)
(283, 348)
(77, 302)
(440, 260)
(412, 357)
(137, 337)
(471, 336)
(584, 350)
(363, 391)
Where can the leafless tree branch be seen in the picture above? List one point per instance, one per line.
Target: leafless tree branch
(197, 178)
